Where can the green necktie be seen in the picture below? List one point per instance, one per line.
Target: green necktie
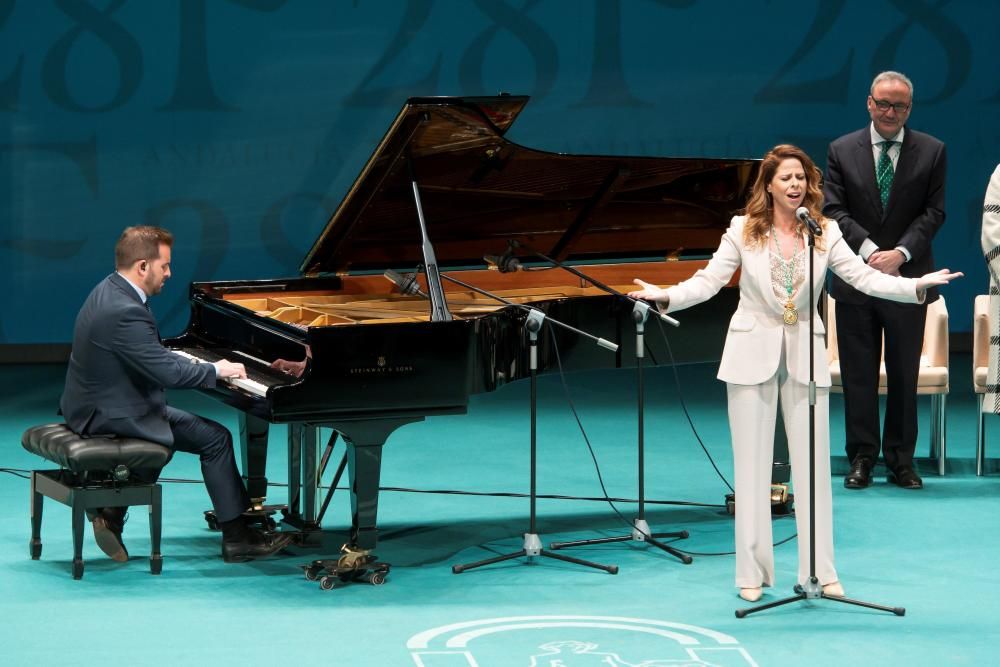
(884, 172)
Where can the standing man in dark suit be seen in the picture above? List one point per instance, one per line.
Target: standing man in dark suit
(115, 384)
(885, 187)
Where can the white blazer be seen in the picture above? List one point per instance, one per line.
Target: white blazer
(757, 330)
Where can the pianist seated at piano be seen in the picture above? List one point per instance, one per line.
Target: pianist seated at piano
(115, 384)
(766, 354)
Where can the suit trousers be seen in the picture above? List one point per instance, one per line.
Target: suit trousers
(859, 333)
(752, 420)
(213, 444)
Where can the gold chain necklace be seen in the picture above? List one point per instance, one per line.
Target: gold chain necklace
(791, 315)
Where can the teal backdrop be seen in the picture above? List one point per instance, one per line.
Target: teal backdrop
(239, 124)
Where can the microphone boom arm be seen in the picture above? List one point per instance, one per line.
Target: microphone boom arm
(593, 281)
(535, 316)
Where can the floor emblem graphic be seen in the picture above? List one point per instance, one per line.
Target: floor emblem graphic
(575, 641)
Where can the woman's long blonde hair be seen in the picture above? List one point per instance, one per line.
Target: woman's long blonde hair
(760, 206)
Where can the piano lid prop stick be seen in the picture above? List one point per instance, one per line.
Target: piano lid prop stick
(439, 306)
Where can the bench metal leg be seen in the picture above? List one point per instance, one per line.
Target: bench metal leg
(155, 528)
(79, 512)
(35, 546)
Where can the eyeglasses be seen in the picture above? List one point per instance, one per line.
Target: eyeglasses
(885, 105)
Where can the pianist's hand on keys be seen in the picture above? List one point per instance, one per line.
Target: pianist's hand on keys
(227, 371)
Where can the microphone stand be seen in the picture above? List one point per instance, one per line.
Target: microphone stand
(640, 528)
(532, 545)
(812, 590)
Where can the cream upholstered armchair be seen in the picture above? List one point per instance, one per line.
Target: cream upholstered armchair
(980, 362)
(933, 378)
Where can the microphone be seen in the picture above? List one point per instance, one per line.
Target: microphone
(505, 263)
(802, 213)
(407, 284)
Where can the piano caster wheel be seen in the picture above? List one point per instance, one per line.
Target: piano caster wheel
(312, 571)
(327, 583)
(211, 520)
(376, 578)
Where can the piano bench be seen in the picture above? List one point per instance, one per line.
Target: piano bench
(94, 472)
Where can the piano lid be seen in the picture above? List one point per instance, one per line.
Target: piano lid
(478, 190)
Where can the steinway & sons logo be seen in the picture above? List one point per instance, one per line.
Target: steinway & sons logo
(381, 367)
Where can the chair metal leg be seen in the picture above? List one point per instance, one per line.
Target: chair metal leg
(942, 433)
(980, 438)
(933, 451)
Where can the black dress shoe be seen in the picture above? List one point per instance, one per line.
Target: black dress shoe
(253, 543)
(905, 477)
(860, 475)
(108, 524)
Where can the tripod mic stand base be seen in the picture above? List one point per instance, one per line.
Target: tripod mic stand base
(531, 549)
(812, 591)
(640, 533)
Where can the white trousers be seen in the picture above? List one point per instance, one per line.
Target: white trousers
(752, 418)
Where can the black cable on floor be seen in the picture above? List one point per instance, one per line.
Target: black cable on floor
(684, 409)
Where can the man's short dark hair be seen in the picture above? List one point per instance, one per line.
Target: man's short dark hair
(139, 243)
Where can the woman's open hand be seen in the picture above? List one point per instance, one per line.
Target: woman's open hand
(937, 278)
(649, 292)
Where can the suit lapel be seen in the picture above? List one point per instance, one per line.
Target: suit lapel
(864, 161)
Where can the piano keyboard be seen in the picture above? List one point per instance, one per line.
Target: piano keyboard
(248, 384)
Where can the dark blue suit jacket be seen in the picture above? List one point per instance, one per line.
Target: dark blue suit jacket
(916, 201)
(118, 369)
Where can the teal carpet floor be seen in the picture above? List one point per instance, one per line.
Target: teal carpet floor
(931, 551)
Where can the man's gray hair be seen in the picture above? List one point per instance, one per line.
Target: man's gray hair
(891, 76)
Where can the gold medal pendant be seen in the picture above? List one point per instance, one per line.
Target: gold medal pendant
(791, 315)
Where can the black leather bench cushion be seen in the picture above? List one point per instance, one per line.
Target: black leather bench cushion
(57, 443)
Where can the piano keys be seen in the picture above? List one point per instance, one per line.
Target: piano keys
(254, 383)
(377, 359)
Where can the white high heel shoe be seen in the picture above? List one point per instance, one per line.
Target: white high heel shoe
(751, 594)
(834, 590)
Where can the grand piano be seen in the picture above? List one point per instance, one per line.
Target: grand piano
(377, 359)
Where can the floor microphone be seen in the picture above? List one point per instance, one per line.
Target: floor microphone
(505, 263)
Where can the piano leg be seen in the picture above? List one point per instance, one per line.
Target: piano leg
(303, 476)
(364, 465)
(294, 465)
(253, 454)
(310, 475)
(364, 439)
